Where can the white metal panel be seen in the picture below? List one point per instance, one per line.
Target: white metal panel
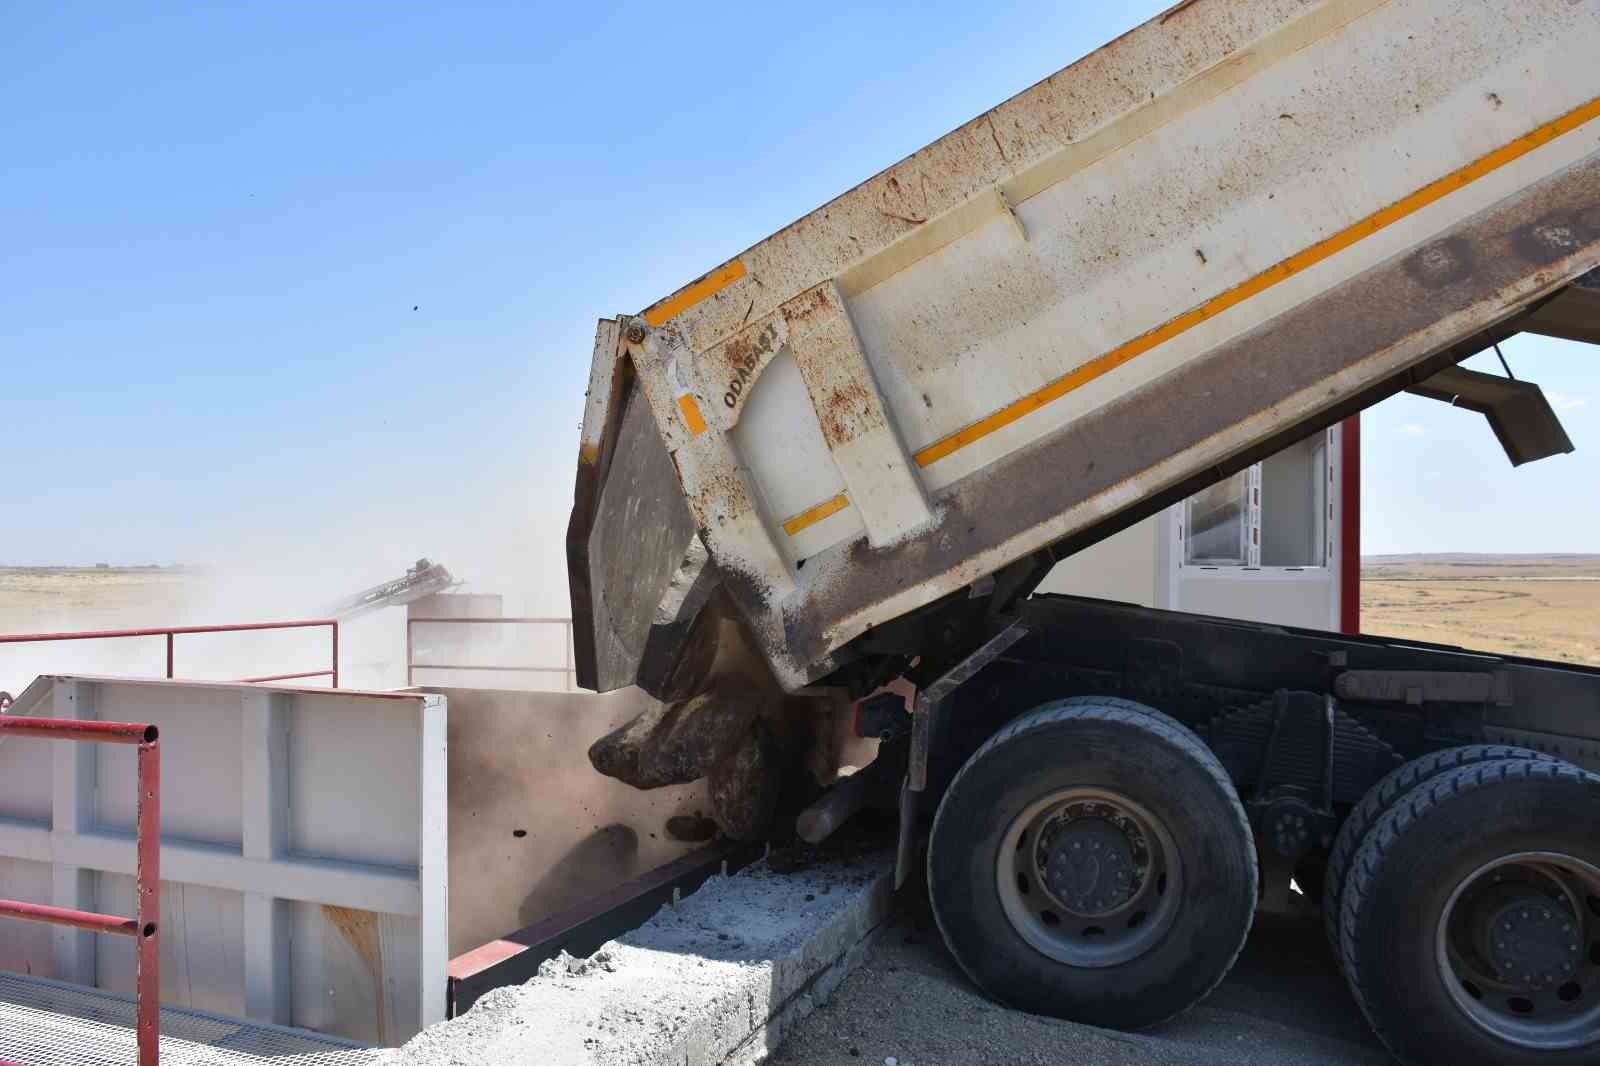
(202, 944)
(355, 974)
(25, 946)
(1306, 598)
(353, 788)
(303, 850)
(788, 460)
(200, 803)
(26, 791)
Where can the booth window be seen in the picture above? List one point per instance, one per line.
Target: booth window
(1276, 513)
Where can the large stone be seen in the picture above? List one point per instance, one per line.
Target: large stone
(673, 744)
(745, 785)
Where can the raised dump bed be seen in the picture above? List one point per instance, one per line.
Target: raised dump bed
(1216, 234)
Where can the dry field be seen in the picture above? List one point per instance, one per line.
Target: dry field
(35, 599)
(1542, 606)
(59, 599)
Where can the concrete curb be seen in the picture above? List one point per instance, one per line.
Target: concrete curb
(718, 980)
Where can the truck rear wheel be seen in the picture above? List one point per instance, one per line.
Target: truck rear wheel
(1384, 795)
(1471, 926)
(1093, 862)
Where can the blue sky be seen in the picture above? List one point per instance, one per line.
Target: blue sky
(319, 282)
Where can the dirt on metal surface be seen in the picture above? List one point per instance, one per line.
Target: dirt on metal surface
(1293, 361)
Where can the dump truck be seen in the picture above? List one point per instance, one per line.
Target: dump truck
(826, 478)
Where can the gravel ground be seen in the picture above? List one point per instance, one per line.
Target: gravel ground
(1284, 1004)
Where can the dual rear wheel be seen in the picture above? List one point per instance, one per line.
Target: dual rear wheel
(1469, 916)
(1093, 861)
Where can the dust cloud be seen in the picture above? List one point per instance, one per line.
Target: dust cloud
(533, 828)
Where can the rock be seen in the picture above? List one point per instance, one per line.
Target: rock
(744, 786)
(676, 743)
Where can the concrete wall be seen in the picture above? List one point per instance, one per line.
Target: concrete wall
(519, 764)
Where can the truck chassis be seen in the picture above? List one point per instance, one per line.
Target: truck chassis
(1113, 791)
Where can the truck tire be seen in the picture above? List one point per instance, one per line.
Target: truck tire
(1092, 861)
(1471, 927)
(1385, 794)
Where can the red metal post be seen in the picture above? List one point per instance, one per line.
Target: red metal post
(143, 926)
(148, 978)
(283, 677)
(78, 729)
(99, 634)
(1350, 526)
(94, 923)
(171, 632)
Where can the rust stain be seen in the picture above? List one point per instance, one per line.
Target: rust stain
(846, 412)
(360, 930)
(807, 305)
(737, 350)
(906, 213)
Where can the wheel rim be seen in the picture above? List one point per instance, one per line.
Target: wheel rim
(1518, 949)
(1088, 877)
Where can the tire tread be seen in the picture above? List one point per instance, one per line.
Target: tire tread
(1383, 795)
(1380, 842)
(1113, 711)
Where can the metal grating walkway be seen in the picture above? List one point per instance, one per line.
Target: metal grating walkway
(49, 1023)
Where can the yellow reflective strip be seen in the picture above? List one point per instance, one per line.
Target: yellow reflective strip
(1283, 271)
(691, 415)
(692, 293)
(816, 514)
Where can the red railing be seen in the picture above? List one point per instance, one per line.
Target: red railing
(568, 671)
(172, 632)
(143, 926)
